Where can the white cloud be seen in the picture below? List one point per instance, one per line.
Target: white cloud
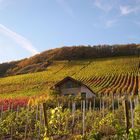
(66, 7)
(110, 23)
(125, 10)
(23, 42)
(102, 5)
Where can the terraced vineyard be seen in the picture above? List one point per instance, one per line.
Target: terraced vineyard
(117, 76)
(105, 76)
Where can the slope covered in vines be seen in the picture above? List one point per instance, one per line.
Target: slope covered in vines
(117, 75)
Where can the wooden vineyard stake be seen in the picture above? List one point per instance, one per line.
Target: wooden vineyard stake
(40, 117)
(1, 117)
(26, 126)
(11, 109)
(12, 132)
(126, 107)
(36, 113)
(118, 101)
(90, 106)
(81, 105)
(69, 104)
(36, 119)
(17, 113)
(83, 117)
(113, 103)
(103, 108)
(73, 116)
(100, 104)
(132, 113)
(109, 103)
(1, 112)
(137, 85)
(137, 100)
(73, 113)
(94, 104)
(45, 118)
(86, 105)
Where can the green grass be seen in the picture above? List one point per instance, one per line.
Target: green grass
(99, 74)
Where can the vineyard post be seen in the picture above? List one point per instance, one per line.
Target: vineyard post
(12, 107)
(132, 113)
(8, 107)
(83, 117)
(126, 107)
(81, 105)
(113, 102)
(11, 131)
(137, 99)
(1, 111)
(40, 117)
(11, 123)
(73, 113)
(135, 102)
(103, 108)
(17, 113)
(94, 103)
(1, 117)
(46, 118)
(90, 106)
(69, 104)
(109, 102)
(36, 113)
(36, 118)
(86, 104)
(26, 126)
(118, 100)
(100, 103)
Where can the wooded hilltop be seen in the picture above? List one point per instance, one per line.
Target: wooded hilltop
(41, 61)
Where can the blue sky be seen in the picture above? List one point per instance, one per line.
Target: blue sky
(28, 27)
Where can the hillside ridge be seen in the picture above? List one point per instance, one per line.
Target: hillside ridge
(116, 75)
(41, 61)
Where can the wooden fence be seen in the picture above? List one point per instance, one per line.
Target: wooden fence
(34, 122)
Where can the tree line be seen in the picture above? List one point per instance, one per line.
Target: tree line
(41, 61)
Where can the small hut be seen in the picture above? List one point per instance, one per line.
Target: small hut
(70, 86)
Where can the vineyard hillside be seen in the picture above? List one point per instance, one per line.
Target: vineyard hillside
(116, 75)
(41, 61)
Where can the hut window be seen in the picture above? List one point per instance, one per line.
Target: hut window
(69, 84)
(66, 94)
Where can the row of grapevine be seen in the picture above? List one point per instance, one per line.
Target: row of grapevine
(72, 117)
(116, 75)
(120, 76)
